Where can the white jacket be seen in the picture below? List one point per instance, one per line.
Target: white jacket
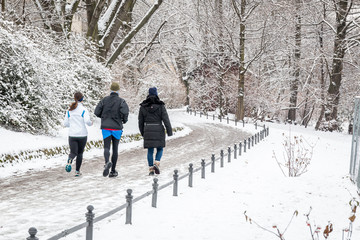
(76, 119)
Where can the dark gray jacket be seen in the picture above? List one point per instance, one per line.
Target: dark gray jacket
(113, 111)
(151, 116)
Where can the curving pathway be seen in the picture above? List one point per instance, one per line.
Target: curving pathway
(53, 201)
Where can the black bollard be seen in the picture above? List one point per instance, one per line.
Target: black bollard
(191, 175)
(129, 199)
(32, 231)
(154, 195)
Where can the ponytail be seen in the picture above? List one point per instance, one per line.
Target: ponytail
(73, 106)
(78, 96)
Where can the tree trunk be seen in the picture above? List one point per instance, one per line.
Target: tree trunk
(333, 92)
(240, 110)
(294, 84)
(221, 55)
(307, 109)
(123, 15)
(3, 5)
(180, 65)
(68, 17)
(93, 11)
(322, 71)
(132, 33)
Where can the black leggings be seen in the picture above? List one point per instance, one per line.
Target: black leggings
(115, 144)
(77, 146)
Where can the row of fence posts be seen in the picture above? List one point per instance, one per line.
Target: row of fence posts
(90, 216)
(219, 117)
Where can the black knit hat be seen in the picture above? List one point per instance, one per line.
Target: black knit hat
(153, 91)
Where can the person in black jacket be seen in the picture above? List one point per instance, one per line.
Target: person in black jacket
(151, 116)
(114, 112)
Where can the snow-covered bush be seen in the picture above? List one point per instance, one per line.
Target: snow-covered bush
(39, 73)
(297, 156)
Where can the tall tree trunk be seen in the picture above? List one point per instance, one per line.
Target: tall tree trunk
(221, 55)
(240, 110)
(294, 84)
(333, 93)
(3, 5)
(322, 71)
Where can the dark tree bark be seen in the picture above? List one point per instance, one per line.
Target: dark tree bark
(132, 33)
(342, 8)
(3, 5)
(294, 84)
(322, 71)
(240, 108)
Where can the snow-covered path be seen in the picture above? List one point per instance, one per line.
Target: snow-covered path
(43, 198)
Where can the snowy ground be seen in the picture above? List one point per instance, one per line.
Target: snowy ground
(51, 200)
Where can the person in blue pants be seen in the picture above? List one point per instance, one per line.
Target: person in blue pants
(152, 115)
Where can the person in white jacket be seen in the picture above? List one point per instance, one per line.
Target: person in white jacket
(75, 119)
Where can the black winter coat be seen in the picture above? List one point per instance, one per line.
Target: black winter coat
(113, 111)
(151, 116)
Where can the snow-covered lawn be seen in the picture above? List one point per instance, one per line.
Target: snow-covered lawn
(214, 207)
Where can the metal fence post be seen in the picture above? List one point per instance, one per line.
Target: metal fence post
(175, 187)
(207, 116)
(249, 143)
(200, 114)
(252, 141)
(90, 220)
(235, 122)
(213, 117)
(267, 132)
(154, 195)
(195, 113)
(227, 120)
(213, 163)
(243, 123)
(245, 145)
(222, 158)
(240, 146)
(202, 168)
(129, 199)
(32, 231)
(191, 175)
(229, 154)
(220, 118)
(235, 151)
(255, 125)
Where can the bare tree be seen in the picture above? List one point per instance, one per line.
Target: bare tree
(343, 41)
(243, 10)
